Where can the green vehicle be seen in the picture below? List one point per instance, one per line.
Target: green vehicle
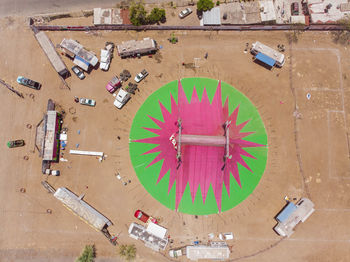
(15, 143)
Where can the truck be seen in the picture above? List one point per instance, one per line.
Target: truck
(121, 98)
(114, 84)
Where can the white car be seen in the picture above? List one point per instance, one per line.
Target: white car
(185, 12)
(87, 102)
(141, 76)
(105, 60)
(121, 98)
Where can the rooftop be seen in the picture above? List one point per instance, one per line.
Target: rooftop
(240, 13)
(267, 11)
(137, 231)
(78, 50)
(212, 16)
(107, 16)
(133, 45)
(321, 14)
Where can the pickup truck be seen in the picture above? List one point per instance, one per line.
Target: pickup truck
(121, 98)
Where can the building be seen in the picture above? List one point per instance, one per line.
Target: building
(212, 16)
(291, 215)
(215, 251)
(240, 13)
(328, 11)
(267, 55)
(151, 238)
(136, 48)
(81, 56)
(51, 54)
(107, 16)
(267, 11)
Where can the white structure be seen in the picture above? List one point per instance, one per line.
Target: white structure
(82, 57)
(226, 236)
(292, 215)
(154, 242)
(212, 16)
(258, 47)
(82, 209)
(267, 11)
(133, 47)
(86, 153)
(328, 11)
(297, 19)
(215, 251)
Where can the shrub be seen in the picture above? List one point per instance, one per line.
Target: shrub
(128, 252)
(205, 5)
(138, 14)
(157, 15)
(88, 255)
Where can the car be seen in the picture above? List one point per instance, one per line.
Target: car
(140, 76)
(121, 98)
(28, 82)
(87, 102)
(185, 12)
(78, 72)
(144, 217)
(113, 84)
(15, 143)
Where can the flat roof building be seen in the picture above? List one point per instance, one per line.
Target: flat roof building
(215, 251)
(133, 47)
(212, 16)
(292, 214)
(328, 11)
(52, 127)
(107, 16)
(240, 13)
(267, 11)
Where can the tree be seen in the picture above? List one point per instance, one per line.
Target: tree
(205, 5)
(88, 255)
(138, 14)
(157, 15)
(343, 36)
(128, 252)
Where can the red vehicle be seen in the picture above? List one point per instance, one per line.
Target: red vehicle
(144, 217)
(113, 84)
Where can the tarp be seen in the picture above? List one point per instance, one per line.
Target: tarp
(286, 212)
(156, 230)
(265, 59)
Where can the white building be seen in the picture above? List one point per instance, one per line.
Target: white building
(267, 52)
(133, 47)
(292, 215)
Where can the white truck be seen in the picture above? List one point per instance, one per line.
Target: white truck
(106, 56)
(121, 98)
(178, 252)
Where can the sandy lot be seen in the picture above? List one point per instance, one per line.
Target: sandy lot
(308, 156)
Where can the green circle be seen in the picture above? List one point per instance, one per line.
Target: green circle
(148, 175)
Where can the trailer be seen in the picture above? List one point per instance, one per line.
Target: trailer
(51, 54)
(267, 55)
(137, 48)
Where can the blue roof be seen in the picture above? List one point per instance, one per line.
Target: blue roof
(82, 60)
(265, 59)
(289, 209)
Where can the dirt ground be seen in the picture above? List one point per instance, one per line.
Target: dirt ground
(308, 147)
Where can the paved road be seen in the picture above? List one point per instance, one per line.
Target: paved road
(32, 7)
